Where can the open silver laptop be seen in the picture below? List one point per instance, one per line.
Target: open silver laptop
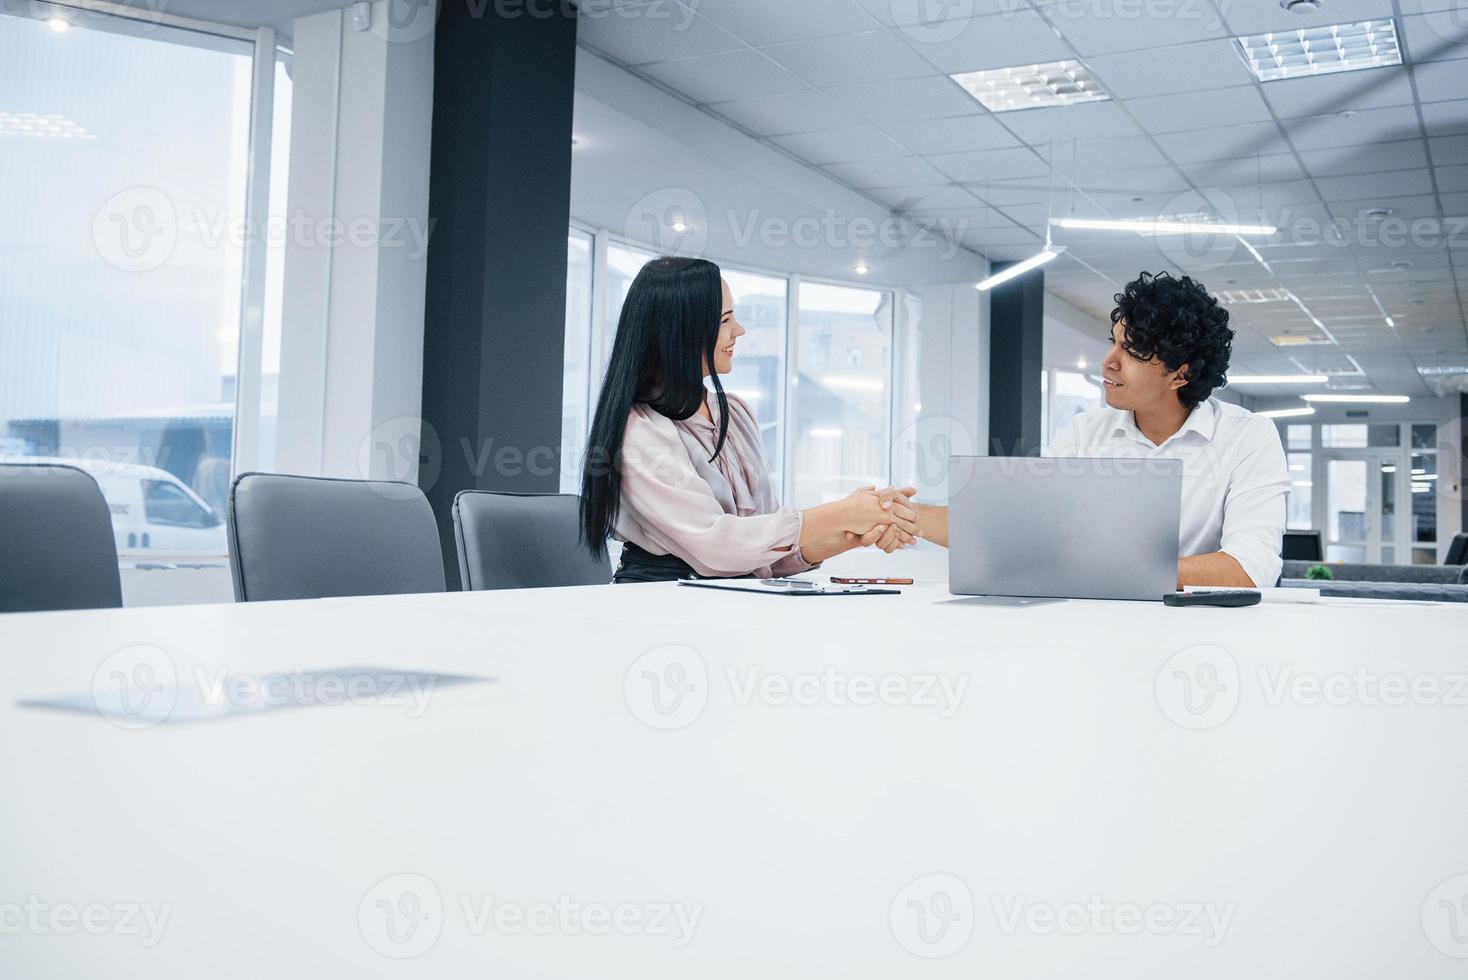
(1066, 527)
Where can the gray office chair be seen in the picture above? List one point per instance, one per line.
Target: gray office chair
(304, 537)
(56, 545)
(522, 541)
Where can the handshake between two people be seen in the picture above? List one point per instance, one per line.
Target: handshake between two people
(867, 517)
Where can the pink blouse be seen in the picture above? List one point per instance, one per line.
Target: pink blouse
(722, 518)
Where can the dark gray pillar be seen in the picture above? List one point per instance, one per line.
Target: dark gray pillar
(1016, 360)
(500, 197)
(1462, 459)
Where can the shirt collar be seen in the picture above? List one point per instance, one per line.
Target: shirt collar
(1203, 420)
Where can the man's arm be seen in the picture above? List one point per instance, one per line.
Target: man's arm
(932, 522)
(1253, 518)
(1214, 568)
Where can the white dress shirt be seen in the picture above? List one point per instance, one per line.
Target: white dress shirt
(1235, 477)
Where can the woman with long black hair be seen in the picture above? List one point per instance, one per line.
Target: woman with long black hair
(679, 476)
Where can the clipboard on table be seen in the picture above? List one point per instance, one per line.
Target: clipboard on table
(783, 586)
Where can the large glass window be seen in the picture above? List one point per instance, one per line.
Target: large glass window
(575, 411)
(842, 391)
(124, 157)
(1424, 508)
(1299, 516)
(760, 305)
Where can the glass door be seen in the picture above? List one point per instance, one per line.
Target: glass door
(1361, 512)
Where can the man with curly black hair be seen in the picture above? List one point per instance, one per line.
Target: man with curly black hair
(1169, 350)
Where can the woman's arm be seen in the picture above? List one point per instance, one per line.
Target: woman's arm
(934, 522)
(830, 529)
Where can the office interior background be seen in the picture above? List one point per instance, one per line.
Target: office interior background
(239, 236)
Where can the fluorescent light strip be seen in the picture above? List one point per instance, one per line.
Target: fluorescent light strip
(1278, 379)
(1163, 226)
(1287, 413)
(1321, 50)
(1360, 399)
(1020, 268)
(1031, 86)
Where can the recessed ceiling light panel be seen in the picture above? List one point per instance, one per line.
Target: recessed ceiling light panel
(1032, 86)
(1321, 50)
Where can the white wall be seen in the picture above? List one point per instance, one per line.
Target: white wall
(352, 327)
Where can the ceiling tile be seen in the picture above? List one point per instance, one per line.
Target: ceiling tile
(741, 74)
(931, 197)
(841, 145)
(1401, 183)
(1222, 143)
(796, 112)
(1366, 127)
(956, 135)
(1440, 80)
(1421, 206)
(1452, 178)
(1440, 34)
(1108, 154)
(1322, 94)
(1270, 169)
(1089, 120)
(1120, 26)
(1448, 149)
(1443, 118)
(871, 56)
(1223, 107)
(1260, 18)
(772, 21)
(895, 172)
(929, 20)
(1016, 37)
(985, 165)
(1166, 70)
(906, 99)
(1402, 155)
(668, 31)
(1137, 180)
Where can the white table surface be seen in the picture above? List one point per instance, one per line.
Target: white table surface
(1068, 779)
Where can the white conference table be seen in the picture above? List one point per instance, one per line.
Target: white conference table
(1102, 789)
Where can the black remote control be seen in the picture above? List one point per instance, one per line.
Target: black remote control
(1213, 597)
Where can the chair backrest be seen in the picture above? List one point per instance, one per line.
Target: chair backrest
(1457, 551)
(522, 541)
(56, 544)
(1302, 546)
(305, 537)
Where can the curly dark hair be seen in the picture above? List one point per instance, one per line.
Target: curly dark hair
(1176, 321)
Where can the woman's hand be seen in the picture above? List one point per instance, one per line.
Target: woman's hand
(866, 516)
(898, 530)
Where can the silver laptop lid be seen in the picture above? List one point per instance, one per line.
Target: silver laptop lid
(1075, 528)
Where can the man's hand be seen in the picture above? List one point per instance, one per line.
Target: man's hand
(887, 537)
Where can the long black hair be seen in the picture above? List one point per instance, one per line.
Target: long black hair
(667, 333)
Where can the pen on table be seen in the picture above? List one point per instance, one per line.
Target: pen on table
(840, 580)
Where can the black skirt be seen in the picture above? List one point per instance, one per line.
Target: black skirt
(639, 565)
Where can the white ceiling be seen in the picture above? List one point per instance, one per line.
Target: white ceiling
(859, 89)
